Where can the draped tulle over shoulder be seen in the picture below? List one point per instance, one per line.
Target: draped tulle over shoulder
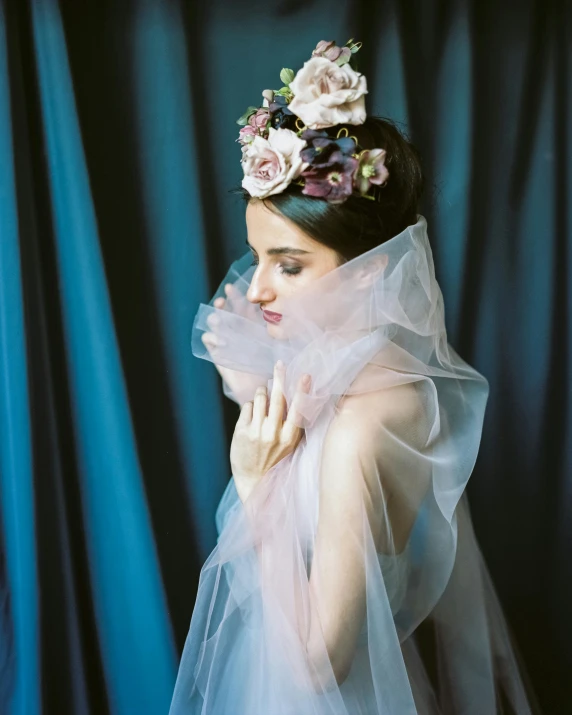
(321, 584)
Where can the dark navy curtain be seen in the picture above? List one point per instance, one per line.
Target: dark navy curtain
(117, 153)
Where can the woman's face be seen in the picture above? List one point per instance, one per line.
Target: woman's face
(286, 260)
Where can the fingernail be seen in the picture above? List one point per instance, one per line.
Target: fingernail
(306, 379)
(279, 364)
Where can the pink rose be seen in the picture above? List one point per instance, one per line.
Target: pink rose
(259, 118)
(270, 164)
(247, 134)
(326, 94)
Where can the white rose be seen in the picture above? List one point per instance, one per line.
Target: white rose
(326, 94)
(270, 164)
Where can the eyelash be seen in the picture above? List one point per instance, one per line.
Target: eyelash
(294, 271)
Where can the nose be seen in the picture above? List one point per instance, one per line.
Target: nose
(260, 289)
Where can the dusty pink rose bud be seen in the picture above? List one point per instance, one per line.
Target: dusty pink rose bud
(344, 52)
(333, 53)
(247, 134)
(330, 51)
(322, 47)
(259, 118)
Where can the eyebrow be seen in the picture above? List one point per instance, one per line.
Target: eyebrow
(280, 251)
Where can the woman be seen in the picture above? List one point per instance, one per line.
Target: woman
(346, 577)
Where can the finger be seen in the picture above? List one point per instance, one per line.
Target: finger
(212, 341)
(239, 303)
(219, 302)
(259, 407)
(245, 415)
(277, 399)
(213, 320)
(234, 297)
(293, 417)
(208, 342)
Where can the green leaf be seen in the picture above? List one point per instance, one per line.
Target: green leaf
(286, 75)
(244, 119)
(355, 48)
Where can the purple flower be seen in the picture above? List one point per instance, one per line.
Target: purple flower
(332, 181)
(280, 115)
(320, 146)
(372, 169)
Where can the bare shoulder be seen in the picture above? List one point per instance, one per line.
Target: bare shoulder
(360, 416)
(371, 458)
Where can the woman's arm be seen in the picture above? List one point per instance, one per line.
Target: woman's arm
(359, 500)
(360, 497)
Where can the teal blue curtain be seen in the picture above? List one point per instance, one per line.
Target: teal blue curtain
(117, 154)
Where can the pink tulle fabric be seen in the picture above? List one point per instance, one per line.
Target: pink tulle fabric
(350, 582)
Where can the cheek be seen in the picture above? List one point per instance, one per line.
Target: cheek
(291, 284)
(307, 276)
(285, 283)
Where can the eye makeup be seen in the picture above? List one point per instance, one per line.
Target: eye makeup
(288, 270)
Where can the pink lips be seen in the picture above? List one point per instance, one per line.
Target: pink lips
(271, 317)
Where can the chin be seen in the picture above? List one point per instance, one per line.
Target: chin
(276, 331)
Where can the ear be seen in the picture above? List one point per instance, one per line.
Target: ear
(372, 269)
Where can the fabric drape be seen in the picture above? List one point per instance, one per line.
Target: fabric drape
(311, 599)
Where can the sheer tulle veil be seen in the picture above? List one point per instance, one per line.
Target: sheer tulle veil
(372, 335)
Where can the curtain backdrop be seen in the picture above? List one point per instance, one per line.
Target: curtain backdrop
(117, 153)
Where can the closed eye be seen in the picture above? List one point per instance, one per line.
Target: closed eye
(289, 270)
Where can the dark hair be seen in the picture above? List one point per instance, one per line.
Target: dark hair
(358, 224)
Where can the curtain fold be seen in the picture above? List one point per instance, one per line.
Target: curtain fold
(19, 663)
(124, 571)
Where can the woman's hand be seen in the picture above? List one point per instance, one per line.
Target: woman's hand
(239, 383)
(262, 439)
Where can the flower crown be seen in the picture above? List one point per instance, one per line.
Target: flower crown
(285, 140)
